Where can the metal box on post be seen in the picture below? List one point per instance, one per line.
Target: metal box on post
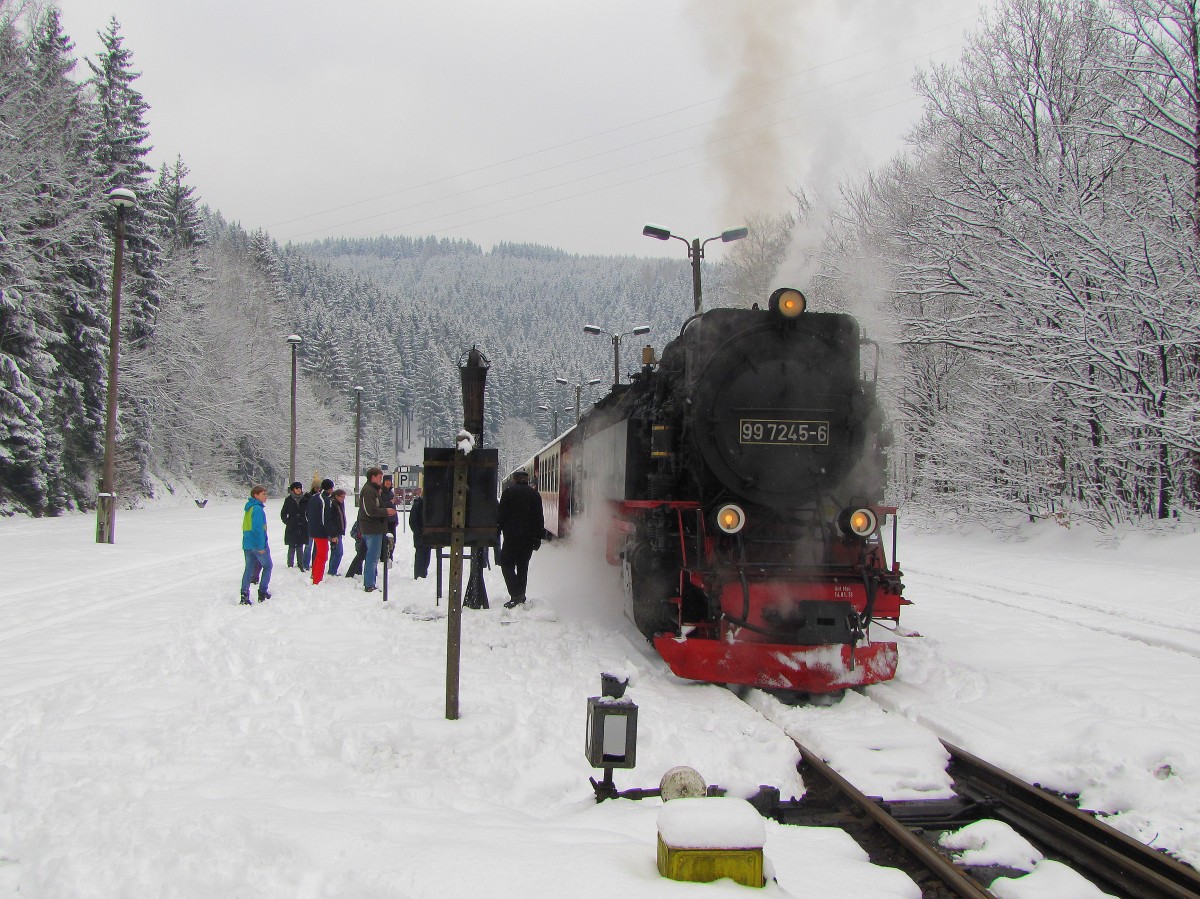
(483, 506)
(611, 733)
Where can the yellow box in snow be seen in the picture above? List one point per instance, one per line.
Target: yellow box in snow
(744, 866)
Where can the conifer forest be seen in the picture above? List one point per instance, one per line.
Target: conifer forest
(1027, 267)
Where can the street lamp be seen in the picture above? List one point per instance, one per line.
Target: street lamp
(357, 438)
(616, 343)
(579, 389)
(295, 340)
(695, 250)
(554, 411)
(106, 502)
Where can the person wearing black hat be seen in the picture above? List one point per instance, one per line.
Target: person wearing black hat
(336, 525)
(295, 525)
(521, 524)
(387, 497)
(421, 549)
(318, 528)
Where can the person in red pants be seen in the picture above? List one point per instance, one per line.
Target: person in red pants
(319, 515)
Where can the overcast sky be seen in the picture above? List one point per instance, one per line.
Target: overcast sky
(570, 123)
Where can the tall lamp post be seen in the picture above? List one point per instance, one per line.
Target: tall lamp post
(616, 344)
(578, 389)
(357, 438)
(295, 340)
(106, 502)
(554, 411)
(695, 250)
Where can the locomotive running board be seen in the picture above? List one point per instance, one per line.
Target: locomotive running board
(778, 666)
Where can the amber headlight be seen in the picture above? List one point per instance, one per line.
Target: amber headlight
(859, 522)
(731, 518)
(788, 302)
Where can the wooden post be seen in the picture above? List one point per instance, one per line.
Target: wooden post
(106, 499)
(458, 528)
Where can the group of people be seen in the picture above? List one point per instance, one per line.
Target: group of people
(314, 527)
(315, 532)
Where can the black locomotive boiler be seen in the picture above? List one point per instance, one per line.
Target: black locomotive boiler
(739, 483)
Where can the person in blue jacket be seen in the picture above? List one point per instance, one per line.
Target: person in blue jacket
(254, 544)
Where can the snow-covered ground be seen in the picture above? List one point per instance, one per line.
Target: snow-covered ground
(157, 739)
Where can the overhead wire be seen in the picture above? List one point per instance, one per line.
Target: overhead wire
(606, 187)
(609, 152)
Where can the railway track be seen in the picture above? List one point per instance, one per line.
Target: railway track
(904, 834)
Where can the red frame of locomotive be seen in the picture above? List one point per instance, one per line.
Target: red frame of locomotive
(723, 652)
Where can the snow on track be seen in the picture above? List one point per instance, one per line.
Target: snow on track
(1048, 657)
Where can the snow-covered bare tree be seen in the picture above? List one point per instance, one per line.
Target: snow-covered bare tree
(1043, 295)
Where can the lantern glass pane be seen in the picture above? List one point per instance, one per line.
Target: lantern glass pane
(616, 729)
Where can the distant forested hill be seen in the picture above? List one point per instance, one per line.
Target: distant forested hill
(397, 314)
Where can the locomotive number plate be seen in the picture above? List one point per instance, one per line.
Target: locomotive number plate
(791, 433)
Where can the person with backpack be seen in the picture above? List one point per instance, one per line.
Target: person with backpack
(360, 551)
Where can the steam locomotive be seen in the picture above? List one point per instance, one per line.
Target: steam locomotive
(738, 482)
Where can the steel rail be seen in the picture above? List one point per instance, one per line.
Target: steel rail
(1097, 850)
(955, 879)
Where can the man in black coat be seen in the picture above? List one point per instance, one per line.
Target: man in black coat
(521, 526)
(295, 525)
(416, 523)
